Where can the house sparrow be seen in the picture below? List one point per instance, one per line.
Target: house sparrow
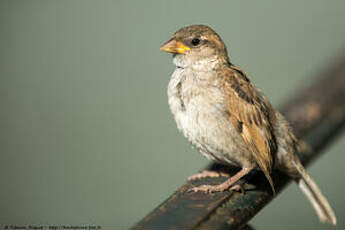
(221, 112)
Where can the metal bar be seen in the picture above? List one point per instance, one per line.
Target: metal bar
(317, 114)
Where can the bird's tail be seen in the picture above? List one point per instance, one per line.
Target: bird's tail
(312, 192)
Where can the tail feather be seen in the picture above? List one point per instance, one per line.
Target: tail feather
(322, 208)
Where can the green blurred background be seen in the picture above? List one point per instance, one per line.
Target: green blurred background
(86, 133)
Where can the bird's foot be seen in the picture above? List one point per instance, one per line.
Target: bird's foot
(207, 174)
(229, 184)
(218, 188)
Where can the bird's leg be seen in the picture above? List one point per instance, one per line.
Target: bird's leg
(207, 174)
(228, 184)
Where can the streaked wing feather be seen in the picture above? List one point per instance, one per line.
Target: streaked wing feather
(250, 109)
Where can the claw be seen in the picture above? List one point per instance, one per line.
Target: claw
(238, 188)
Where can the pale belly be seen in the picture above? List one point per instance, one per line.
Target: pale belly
(205, 124)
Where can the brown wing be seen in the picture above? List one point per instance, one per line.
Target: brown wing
(250, 114)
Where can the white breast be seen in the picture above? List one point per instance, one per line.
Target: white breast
(198, 109)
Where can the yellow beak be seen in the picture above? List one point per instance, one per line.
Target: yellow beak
(173, 46)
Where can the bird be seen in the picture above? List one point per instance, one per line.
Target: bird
(228, 119)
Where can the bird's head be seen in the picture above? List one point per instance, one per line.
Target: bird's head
(195, 46)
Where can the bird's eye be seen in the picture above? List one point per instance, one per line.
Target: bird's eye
(195, 41)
